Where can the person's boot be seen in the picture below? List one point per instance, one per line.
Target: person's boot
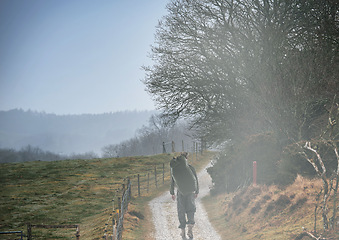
(183, 233)
(190, 231)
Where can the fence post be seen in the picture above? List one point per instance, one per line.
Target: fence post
(155, 176)
(182, 143)
(119, 205)
(163, 173)
(123, 189)
(163, 147)
(77, 233)
(29, 231)
(147, 182)
(138, 184)
(116, 227)
(254, 172)
(113, 227)
(129, 185)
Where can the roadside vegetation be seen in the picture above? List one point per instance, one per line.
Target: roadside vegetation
(65, 192)
(75, 192)
(259, 78)
(269, 212)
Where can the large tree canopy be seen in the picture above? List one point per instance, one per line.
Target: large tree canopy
(237, 67)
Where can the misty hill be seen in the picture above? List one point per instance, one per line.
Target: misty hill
(68, 133)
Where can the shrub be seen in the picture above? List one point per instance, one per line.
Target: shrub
(233, 168)
(298, 204)
(256, 208)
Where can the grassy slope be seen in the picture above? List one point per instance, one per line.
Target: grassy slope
(80, 192)
(77, 192)
(261, 212)
(65, 192)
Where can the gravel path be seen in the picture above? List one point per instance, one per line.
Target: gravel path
(165, 219)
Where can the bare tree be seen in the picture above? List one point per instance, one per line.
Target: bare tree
(314, 152)
(149, 139)
(239, 67)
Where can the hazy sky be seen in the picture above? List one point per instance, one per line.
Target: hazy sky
(76, 56)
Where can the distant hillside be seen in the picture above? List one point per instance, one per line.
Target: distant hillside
(68, 133)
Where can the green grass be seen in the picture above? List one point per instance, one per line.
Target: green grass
(65, 192)
(81, 192)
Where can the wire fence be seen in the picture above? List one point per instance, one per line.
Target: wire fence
(16, 233)
(30, 226)
(139, 185)
(134, 186)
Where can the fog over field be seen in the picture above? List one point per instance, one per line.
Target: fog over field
(67, 134)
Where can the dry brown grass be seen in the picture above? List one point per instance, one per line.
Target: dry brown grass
(266, 212)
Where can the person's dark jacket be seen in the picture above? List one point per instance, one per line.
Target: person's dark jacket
(196, 178)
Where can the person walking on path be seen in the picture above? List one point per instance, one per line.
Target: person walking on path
(185, 179)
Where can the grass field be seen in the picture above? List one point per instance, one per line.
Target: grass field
(65, 192)
(81, 192)
(75, 192)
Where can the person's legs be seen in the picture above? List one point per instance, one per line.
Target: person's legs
(190, 231)
(190, 211)
(190, 208)
(181, 210)
(186, 206)
(190, 218)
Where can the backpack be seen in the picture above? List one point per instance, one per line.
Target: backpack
(183, 175)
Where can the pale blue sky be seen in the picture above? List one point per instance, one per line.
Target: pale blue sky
(76, 56)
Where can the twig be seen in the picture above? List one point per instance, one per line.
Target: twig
(309, 234)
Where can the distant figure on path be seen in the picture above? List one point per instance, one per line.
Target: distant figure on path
(185, 179)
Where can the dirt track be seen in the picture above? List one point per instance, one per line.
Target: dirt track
(165, 220)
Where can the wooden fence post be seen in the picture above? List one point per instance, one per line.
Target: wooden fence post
(113, 227)
(29, 231)
(119, 206)
(147, 182)
(77, 233)
(129, 185)
(163, 173)
(155, 176)
(163, 147)
(123, 189)
(138, 184)
(116, 227)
